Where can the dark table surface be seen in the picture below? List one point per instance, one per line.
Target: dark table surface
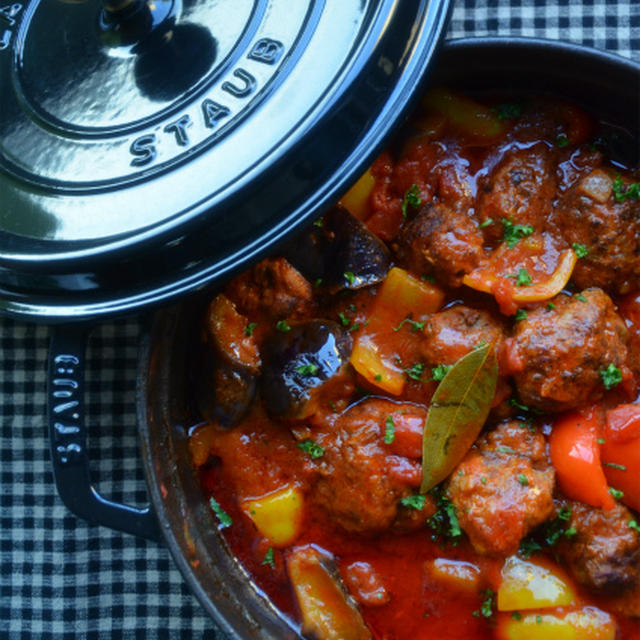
(61, 578)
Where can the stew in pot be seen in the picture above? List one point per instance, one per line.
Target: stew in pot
(422, 420)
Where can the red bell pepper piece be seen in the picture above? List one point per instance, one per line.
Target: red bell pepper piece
(623, 423)
(621, 452)
(575, 454)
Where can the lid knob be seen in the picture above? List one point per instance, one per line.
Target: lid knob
(132, 22)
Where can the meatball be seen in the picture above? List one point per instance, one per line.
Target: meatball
(454, 332)
(362, 478)
(442, 241)
(519, 189)
(503, 488)
(604, 554)
(272, 287)
(560, 353)
(589, 215)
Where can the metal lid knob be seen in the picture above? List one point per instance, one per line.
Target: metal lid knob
(134, 22)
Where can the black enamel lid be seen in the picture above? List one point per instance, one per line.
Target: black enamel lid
(150, 148)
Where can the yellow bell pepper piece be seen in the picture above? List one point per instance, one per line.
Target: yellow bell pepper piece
(374, 366)
(463, 113)
(406, 294)
(588, 623)
(326, 612)
(356, 200)
(278, 515)
(532, 585)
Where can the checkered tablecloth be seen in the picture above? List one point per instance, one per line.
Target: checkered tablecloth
(59, 577)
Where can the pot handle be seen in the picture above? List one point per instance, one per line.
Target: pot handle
(68, 439)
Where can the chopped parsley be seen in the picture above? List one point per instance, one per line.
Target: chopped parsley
(517, 405)
(548, 534)
(528, 546)
(508, 110)
(615, 465)
(312, 448)
(538, 619)
(248, 330)
(389, 430)
(439, 372)
(350, 277)
(354, 327)
(319, 222)
(580, 249)
(269, 559)
(564, 514)
(223, 517)
(580, 297)
(550, 306)
(444, 522)
(521, 314)
(318, 282)
(516, 615)
(486, 223)
(283, 325)
(411, 199)
(513, 233)
(415, 371)
(611, 376)
(344, 321)
(378, 377)
(562, 141)
(634, 525)
(415, 326)
(483, 479)
(632, 192)
(416, 502)
(523, 480)
(428, 278)
(600, 440)
(557, 527)
(616, 493)
(486, 609)
(506, 450)
(523, 279)
(307, 369)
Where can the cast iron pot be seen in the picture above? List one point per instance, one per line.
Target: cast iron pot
(179, 515)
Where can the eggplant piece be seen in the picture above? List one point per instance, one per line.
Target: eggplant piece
(328, 611)
(339, 252)
(299, 363)
(230, 367)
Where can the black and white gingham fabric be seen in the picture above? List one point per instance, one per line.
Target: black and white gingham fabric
(59, 577)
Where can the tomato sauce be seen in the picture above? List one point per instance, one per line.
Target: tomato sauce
(510, 181)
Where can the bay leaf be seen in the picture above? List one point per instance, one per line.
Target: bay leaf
(458, 411)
